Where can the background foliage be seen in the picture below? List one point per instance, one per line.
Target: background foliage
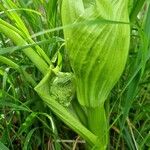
(27, 123)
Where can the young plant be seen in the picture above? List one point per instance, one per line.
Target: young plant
(97, 35)
(97, 54)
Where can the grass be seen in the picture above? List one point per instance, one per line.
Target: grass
(31, 44)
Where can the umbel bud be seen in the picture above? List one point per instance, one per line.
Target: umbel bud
(98, 51)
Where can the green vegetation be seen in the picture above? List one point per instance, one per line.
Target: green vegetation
(74, 74)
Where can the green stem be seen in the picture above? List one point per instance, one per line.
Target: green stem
(18, 40)
(79, 112)
(21, 26)
(9, 63)
(107, 108)
(97, 124)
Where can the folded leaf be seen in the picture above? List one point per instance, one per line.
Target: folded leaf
(97, 52)
(43, 90)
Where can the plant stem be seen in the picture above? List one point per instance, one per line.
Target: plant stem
(97, 123)
(18, 40)
(79, 112)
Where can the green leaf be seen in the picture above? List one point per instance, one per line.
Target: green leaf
(15, 35)
(3, 147)
(28, 122)
(66, 116)
(12, 105)
(136, 9)
(28, 138)
(23, 30)
(97, 52)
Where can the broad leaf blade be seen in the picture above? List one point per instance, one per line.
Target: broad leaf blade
(98, 51)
